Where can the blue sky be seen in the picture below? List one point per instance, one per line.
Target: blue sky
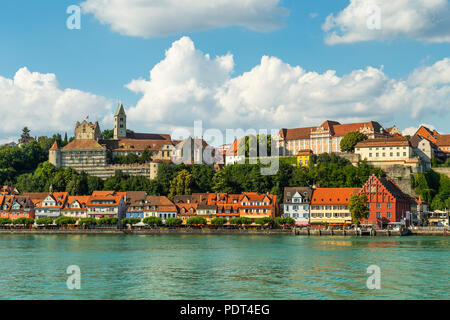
(100, 61)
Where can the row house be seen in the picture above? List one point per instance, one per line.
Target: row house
(107, 204)
(296, 204)
(8, 191)
(387, 203)
(325, 138)
(159, 206)
(14, 207)
(255, 205)
(331, 206)
(76, 207)
(49, 205)
(249, 205)
(227, 205)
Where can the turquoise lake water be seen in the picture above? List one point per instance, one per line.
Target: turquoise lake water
(222, 267)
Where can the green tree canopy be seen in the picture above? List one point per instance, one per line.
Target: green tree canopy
(87, 222)
(196, 221)
(173, 222)
(4, 221)
(44, 221)
(181, 184)
(358, 208)
(351, 139)
(153, 221)
(218, 222)
(63, 221)
(23, 221)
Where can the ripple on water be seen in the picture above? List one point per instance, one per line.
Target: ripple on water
(223, 267)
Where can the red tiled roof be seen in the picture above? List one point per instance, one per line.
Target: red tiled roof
(333, 195)
(141, 145)
(384, 142)
(443, 140)
(55, 146)
(296, 134)
(83, 145)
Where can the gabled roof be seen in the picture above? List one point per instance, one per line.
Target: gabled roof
(388, 184)
(289, 193)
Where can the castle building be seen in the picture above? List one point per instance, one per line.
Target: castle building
(90, 153)
(325, 138)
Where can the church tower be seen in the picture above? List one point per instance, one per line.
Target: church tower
(120, 123)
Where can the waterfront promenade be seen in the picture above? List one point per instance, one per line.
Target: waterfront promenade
(208, 231)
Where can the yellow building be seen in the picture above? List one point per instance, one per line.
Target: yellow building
(303, 158)
(330, 206)
(207, 211)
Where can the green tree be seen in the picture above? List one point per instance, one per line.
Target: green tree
(173, 222)
(181, 185)
(4, 221)
(202, 178)
(107, 221)
(87, 222)
(25, 136)
(131, 221)
(64, 221)
(44, 221)
(236, 221)
(153, 221)
(196, 221)
(358, 208)
(351, 139)
(146, 156)
(23, 221)
(218, 222)
(246, 221)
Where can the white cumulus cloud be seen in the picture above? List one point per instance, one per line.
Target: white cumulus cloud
(155, 18)
(412, 130)
(363, 20)
(35, 100)
(189, 85)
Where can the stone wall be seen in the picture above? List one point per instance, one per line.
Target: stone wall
(402, 177)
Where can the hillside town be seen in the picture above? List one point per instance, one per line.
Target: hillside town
(389, 199)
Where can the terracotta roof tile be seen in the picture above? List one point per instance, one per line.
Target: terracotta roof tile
(83, 145)
(384, 142)
(331, 196)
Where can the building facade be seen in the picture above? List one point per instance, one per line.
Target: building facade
(14, 207)
(386, 152)
(89, 153)
(103, 204)
(331, 206)
(296, 204)
(325, 138)
(386, 202)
